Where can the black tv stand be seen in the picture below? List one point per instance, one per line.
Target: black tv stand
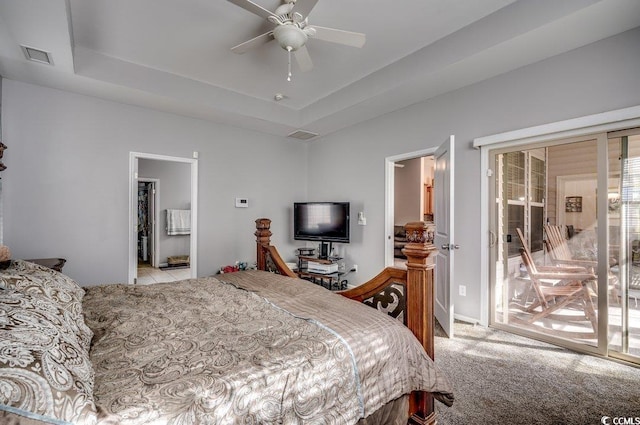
(329, 280)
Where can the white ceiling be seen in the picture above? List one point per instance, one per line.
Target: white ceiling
(175, 55)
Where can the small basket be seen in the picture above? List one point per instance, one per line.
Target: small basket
(178, 260)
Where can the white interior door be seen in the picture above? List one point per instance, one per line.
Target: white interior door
(443, 238)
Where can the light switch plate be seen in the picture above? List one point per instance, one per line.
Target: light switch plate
(242, 203)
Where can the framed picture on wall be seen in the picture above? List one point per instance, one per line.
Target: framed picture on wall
(614, 203)
(573, 204)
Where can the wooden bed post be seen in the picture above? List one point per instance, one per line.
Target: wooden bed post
(420, 317)
(263, 240)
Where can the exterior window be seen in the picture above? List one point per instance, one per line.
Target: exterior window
(524, 192)
(538, 177)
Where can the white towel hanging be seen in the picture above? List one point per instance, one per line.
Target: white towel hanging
(178, 222)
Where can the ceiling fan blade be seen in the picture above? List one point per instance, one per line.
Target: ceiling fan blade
(333, 35)
(254, 42)
(253, 8)
(304, 7)
(303, 58)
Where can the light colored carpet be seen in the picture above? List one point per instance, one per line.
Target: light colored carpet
(501, 378)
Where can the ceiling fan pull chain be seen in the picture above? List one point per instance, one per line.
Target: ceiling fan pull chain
(289, 73)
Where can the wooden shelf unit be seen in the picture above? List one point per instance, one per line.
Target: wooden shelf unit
(330, 281)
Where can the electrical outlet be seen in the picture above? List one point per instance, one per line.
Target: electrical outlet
(462, 290)
(355, 268)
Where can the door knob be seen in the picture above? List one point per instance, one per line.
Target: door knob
(447, 247)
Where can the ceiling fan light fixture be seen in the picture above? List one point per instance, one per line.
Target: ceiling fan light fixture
(292, 31)
(290, 37)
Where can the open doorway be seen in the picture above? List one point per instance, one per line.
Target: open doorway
(436, 204)
(163, 236)
(413, 200)
(410, 197)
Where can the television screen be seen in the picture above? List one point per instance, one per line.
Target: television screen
(321, 221)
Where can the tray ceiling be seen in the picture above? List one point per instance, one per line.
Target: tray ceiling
(175, 56)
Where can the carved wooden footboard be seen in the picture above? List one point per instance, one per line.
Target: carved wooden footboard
(406, 295)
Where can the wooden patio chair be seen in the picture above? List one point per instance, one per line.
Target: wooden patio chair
(557, 289)
(557, 246)
(554, 268)
(527, 294)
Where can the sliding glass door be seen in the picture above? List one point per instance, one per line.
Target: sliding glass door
(535, 188)
(624, 242)
(565, 227)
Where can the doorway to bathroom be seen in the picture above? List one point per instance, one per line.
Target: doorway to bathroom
(162, 241)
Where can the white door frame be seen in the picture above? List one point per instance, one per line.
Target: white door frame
(133, 209)
(156, 220)
(389, 196)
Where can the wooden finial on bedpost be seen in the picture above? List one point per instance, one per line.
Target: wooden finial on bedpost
(263, 239)
(420, 318)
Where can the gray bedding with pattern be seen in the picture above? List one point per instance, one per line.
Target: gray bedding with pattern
(256, 348)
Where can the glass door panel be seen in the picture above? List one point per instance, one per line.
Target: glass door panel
(624, 243)
(537, 189)
(557, 203)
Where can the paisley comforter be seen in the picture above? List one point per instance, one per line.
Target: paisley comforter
(256, 348)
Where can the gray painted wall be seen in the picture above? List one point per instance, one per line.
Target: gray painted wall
(600, 77)
(66, 188)
(174, 188)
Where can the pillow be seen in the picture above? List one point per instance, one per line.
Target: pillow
(27, 276)
(36, 279)
(45, 373)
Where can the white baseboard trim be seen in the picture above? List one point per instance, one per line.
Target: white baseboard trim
(466, 319)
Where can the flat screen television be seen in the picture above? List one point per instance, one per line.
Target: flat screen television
(321, 221)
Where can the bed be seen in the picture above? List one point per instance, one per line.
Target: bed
(250, 347)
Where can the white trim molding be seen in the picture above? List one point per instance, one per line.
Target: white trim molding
(606, 121)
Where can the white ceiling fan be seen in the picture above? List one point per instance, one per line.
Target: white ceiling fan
(292, 30)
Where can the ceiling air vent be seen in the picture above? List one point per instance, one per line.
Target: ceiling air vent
(302, 135)
(37, 55)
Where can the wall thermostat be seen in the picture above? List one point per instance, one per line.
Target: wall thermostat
(242, 203)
